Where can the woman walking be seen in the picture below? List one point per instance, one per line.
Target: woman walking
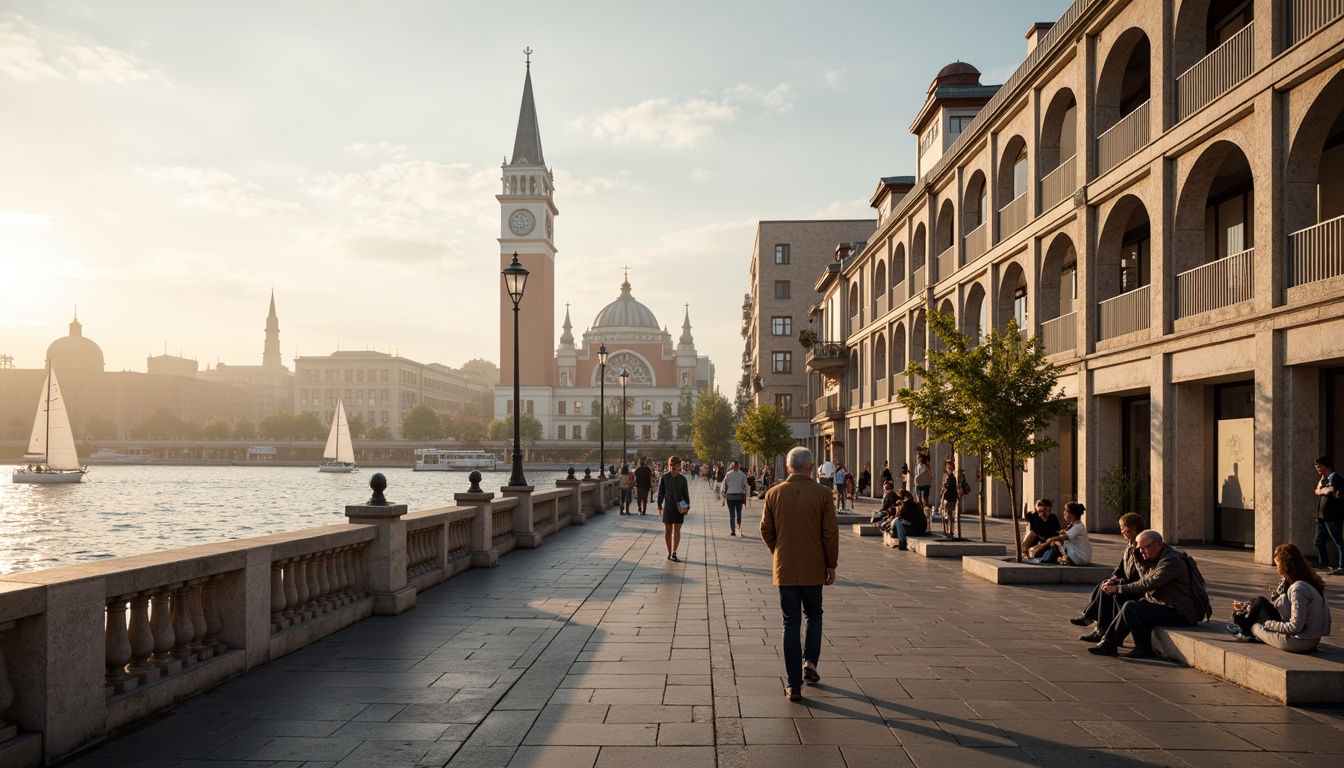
(674, 501)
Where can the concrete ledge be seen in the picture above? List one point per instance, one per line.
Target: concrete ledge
(126, 708)
(1297, 679)
(866, 529)
(929, 547)
(1003, 570)
(851, 518)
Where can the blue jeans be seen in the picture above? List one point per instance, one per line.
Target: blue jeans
(898, 525)
(734, 511)
(1137, 618)
(794, 603)
(1331, 530)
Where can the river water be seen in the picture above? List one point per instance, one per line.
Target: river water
(129, 510)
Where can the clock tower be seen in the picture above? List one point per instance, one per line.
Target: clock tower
(527, 214)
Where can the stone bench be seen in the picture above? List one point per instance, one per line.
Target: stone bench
(1003, 570)
(937, 547)
(850, 518)
(866, 529)
(1297, 679)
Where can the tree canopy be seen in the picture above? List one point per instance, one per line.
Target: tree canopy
(421, 423)
(712, 426)
(764, 432)
(529, 429)
(243, 429)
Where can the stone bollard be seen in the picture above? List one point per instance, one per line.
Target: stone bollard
(483, 551)
(576, 515)
(385, 564)
(524, 531)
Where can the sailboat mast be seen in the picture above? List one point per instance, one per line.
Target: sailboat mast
(46, 441)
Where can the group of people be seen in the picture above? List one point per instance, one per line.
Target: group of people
(1049, 541)
(904, 514)
(846, 486)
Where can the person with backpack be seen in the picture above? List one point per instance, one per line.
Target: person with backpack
(1170, 593)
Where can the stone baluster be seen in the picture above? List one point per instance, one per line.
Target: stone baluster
(117, 648)
(291, 591)
(161, 624)
(412, 552)
(8, 730)
(277, 597)
(214, 622)
(354, 565)
(301, 589)
(324, 583)
(182, 628)
(194, 604)
(334, 579)
(142, 640)
(314, 604)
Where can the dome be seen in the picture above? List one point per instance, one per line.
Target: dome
(957, 73)
(74, 352)
(625, 312)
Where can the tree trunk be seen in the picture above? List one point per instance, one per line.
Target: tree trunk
(984, 534)
(1012, 510)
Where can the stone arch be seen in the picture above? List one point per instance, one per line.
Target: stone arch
(1057, 287)
(946, 232)
(919, 250)
(919, 342)
(879, 358)
(1013, 176)
(898, 265)
(898, 356)
(1215, 215)
(1314, 178)
(879, 286)
(855, 297)
(852, 376)
(1203, 25)
(1013, 298)
(945, 307)
(974, 321)
(1121, 246)
(1059, 132)
(1125, 80)
(974, 203)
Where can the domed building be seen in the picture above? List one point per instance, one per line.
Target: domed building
(75, 352)
(954, 98)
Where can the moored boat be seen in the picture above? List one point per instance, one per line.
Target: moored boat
(51, 449)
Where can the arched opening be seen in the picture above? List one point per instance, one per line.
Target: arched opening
(897, 266)
(1211, 49)
(1123, 90)
(1314, 190)
(974, 215)
(1058, 149)
(879, 288)
(880, 366)
(1213, 243)
(919, 342)
(1012, 303)
(1058, 296)
(946, 308)
(945, 238)
(975, 320)
(918, 259)
(1012, 187)
(855, 313)
(853, 376)
(898, 361)
(1124, 258)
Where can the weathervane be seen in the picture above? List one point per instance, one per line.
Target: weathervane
(528, 53)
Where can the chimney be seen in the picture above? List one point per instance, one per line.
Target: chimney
(1036, 32)
(842, 251)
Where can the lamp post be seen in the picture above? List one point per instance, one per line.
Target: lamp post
(625, 379)
(515, 280)
(602, 419)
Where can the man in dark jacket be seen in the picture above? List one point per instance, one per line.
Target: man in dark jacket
(1103, 607)
(1165, 599)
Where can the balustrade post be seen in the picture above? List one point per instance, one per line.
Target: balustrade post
(524, 529)
(483, 551)
(333, 579)
(161, 624)
(117, 648)
(291, 591)
(575, 501)
(142, 640)
(323, 584)
(214, 622)
(385, 560)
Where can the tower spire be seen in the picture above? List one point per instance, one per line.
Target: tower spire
(686, 340)
(270, 357)
(567, 338)
(527, 142)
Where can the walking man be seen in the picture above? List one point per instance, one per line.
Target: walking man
(734, 496)
(799, 527)
(643, 483)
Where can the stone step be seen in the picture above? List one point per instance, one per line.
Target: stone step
(938, 547)
(1298, 679)
(1003, 570)
(866, 529)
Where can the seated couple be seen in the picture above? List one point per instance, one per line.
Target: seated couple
(1295, 616)
(1050, 542)
(900, 515)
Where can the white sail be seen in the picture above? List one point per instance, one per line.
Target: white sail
(339, 447)
(52, 436)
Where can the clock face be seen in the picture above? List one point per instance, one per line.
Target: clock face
(521, 222)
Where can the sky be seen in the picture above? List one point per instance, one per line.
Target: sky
(165, 165)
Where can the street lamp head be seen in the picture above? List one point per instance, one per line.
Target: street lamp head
(625, 377)
(602, 354)
(515, 280)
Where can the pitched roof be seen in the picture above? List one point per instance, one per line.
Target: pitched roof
(527, 143)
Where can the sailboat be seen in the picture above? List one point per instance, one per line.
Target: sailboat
(52, 446)
(340, 450)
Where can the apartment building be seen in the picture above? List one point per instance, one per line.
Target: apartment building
(1156, 192)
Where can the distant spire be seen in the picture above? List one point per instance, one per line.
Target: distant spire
(270, 357)
(567, 338)
(686, 340)
(75, 328)
(527, 142)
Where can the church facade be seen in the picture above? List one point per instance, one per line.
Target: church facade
(562, 386)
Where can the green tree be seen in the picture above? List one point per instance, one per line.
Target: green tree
(276, 426)
(421, 423)
(100, 428)
(243, 429)
(308, 426)
(358, 427)
(765, 432)
(215, 429)
(1117, 489)
(162, 424)
(470, 429)
(712, 430)
(686, 414)
(995, 399)
(613, 430)
(529, 429)
(664, 427)
(380, 432)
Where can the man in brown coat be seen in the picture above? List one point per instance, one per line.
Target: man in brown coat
(798, 525)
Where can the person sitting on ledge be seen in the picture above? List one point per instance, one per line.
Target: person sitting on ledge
(1103, 607)
(1071, 545)
(909, 520)
(1044, 523)
(890, 501)
(1295, 616)
(1165, 597)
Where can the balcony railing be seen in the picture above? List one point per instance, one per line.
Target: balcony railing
(1124, 314)
(1307, 16)
(1222, 283)
(880, 391)
(829, 406)
(1060, 334)
(1013, 216)
(916, 282)
(827, 357)
(947, 262)
(855, 397)
(1316, 253)
(1061, 182)
(977, 242)
(1215, 74)
(1123, 139)
(855, 324)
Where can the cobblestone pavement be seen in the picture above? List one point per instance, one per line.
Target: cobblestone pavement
(594, 650)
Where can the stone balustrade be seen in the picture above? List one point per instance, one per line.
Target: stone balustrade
(87, 650)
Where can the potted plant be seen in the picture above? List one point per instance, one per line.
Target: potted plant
(807, 337)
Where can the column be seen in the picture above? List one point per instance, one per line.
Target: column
(385, 560)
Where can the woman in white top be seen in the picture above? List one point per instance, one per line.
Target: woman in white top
(1071, 546)
(923, 479)
(1295, 616)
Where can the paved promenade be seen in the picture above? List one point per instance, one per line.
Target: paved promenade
(596, 651)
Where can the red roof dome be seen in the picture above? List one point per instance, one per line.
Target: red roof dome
(957, 73)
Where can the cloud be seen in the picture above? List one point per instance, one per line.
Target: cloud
(853, 209)
(832, 76)
(701, 174)
(573, 186)
(395, 151)
(211, 189)
(29, 54)
(682, 124)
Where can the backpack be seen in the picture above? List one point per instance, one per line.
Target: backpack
(1198, 592)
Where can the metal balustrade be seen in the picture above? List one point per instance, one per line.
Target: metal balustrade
(1126, 313)
(829, 406)
(1060, 334)
(1215, 74)
(977, 242)
(916, 282)
(1221, 283)
(1061, 182)
(880, 391)
(1013, 216)
(1307, 16)
(855, 398)
(1316, 253)
(1123, 139)
(947, 262)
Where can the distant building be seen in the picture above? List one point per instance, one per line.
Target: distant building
(172, 365)
(270, 386)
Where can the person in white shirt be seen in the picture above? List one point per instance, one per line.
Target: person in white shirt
(841, 483)
(734, 495)
(1071, 546)
(826, 474)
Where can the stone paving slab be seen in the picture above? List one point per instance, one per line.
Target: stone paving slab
(595, 650)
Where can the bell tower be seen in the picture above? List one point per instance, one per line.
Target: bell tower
(526, 226)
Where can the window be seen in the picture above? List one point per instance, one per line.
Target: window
(781, 362)
(384, 376)
(1020, 308)
(956, 125)
(646, 408)
(560, 407)
(685, 379)
(646, 432)
(528, 407)
(781, 326)
(782, 289)
(1020, 173)
(785, 404)
(782, 254)
(578, 432)
(578, 407)
(928, 138)
(560, 432)
(1135, 256)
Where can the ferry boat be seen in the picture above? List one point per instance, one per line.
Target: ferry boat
(110, 456)
(440, 460)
